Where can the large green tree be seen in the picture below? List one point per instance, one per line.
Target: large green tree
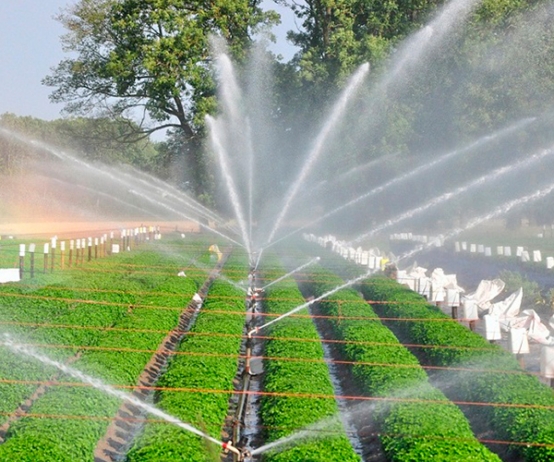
(150, 60)
(337, 35)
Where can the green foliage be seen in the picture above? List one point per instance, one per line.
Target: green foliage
(150, 57)
(338, 35)
(74, 305)
(283, 415)
(94, 139)
(491, 374)
(418, 423)
(206, 411)
(531, 291)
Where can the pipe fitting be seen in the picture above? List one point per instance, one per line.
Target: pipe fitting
(245, 454)
(228, 447)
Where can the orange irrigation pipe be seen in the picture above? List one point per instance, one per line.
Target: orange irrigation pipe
(286, 394)
(239, 313)
(243, 313)
(87, 301)
(273, 427)
(94, 290)
(217, 334)
(278, 358)
(103, 265)
(214, 297)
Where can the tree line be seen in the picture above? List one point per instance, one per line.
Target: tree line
(150, 61)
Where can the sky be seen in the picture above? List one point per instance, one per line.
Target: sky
(30, 47)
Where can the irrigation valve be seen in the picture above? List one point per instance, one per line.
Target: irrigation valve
(229, 447)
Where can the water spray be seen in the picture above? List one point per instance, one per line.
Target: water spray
(336, 114)
(500, 210)
(413, 173)
(117, 177)
(230, 184)
(215, 231)
(493, 176)
(311, 262)
(20, 349)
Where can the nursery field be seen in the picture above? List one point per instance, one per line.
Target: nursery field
(168, 323)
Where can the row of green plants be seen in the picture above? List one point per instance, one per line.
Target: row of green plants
(77, 307)
(206, 364)
(286, 415)
(416, 422)
(521, 408)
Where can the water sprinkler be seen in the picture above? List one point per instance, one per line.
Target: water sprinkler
(253, 331)
(7, 341)
(245, 453)
(252, 365)
(228, 447)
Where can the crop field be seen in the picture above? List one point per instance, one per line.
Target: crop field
(109, 318)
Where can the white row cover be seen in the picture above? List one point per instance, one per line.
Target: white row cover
(372, 258)
(439, 287)
(506, 315)
(500, 316)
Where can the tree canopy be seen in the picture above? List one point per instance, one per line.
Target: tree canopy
(94, 139)
(149, 60)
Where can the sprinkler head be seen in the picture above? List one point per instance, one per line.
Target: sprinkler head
(245, 454)
(229, 447)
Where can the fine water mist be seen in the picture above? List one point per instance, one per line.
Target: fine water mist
(24, 351)
(435, 128)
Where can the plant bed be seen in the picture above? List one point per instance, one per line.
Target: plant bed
(208, 379)
(517, 408)
(417, 422)
(84, 412)
(119, 436)
(286, 415)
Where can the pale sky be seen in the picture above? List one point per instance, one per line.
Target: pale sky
(30, 46)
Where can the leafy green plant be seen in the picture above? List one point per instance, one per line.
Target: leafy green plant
(205, 361)
(532, 295)
(284, 415)
(522, 408)
(125, 301)
(416, 421)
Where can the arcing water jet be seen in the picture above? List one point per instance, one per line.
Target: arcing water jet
(311, 262)
(493, 176)
(104, 173)
(497, 212)
(335, 116)
(231, 188)
(413, 173)
(22, 350)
